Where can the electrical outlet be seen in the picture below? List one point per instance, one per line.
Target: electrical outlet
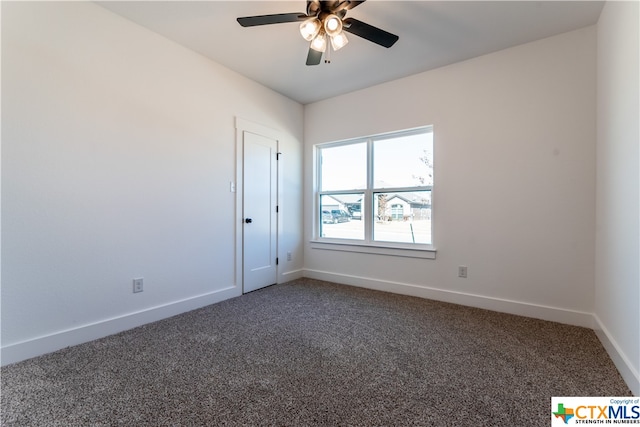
(462, 271)
(289, 256)
(137, 285)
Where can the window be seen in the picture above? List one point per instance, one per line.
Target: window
(376, 191)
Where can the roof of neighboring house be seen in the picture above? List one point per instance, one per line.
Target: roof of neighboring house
(346, 199)
(414, 198)
(411, 198)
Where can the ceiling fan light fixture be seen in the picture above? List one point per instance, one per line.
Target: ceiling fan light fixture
(339, 41)
(310, 28)
(324, 22)
(319, 43)
(333, 25)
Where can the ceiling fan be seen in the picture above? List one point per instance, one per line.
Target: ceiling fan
(325, 19)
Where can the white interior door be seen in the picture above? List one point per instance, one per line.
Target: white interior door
(260, 197)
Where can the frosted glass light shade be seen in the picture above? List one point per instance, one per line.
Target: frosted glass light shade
(310, 28)
(332, 25)
(319, 43)
(339, 41)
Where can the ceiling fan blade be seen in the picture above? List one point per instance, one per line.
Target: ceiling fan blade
(313, 57)
(343, 6)
(369, 32)
(353, 3)
(278, 18)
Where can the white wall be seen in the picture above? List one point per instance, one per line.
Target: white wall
(617, 285)
(514, 200)
(118, 147)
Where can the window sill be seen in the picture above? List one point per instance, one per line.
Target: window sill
(423, 251)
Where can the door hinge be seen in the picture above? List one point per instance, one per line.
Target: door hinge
(277, 209)
(276, 261)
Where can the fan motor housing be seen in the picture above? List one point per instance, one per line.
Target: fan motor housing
(323, 8)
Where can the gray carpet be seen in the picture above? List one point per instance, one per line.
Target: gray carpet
(315, 353)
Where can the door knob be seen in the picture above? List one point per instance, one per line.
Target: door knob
(248, 220)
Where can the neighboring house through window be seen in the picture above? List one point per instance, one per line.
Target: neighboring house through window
(376, 191)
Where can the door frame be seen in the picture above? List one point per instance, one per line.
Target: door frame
(241, 126)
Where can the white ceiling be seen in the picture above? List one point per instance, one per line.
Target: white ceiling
(432, 34)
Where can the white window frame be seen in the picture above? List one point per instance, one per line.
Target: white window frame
(368, 245)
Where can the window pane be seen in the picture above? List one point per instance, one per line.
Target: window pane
(402, 217)
(405, 161)
(341, 216)
(344, 167)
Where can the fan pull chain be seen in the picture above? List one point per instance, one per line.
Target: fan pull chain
(327, 57)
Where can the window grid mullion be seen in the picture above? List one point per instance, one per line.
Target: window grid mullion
(370, 217)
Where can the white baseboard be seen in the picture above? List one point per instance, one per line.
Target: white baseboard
(38, 346)
(554, 314)
(291, 275)
(46, 344)
(622, 362)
